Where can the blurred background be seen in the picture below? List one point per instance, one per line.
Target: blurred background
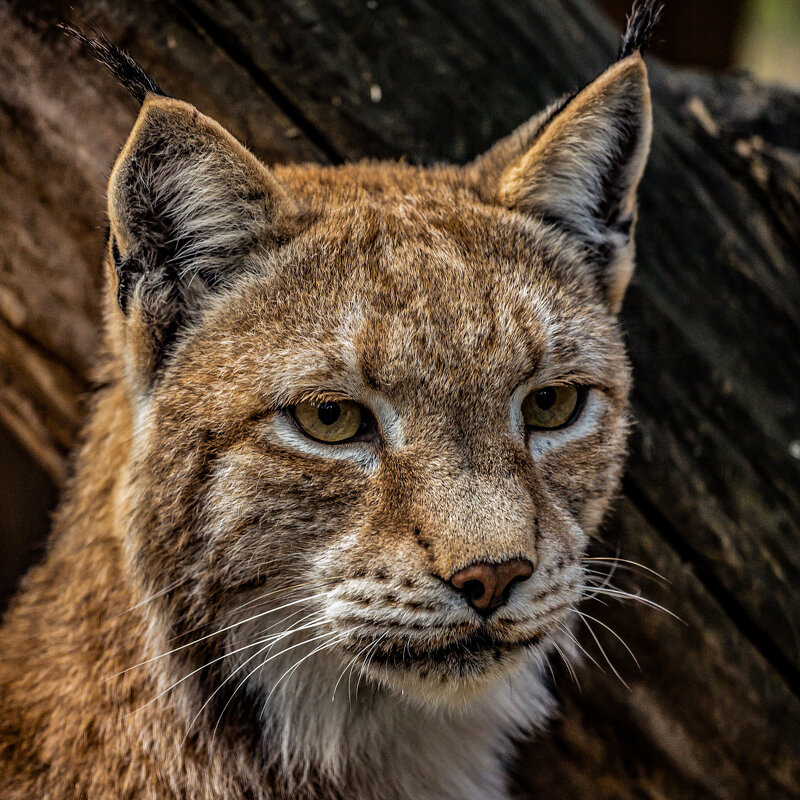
(762, 36)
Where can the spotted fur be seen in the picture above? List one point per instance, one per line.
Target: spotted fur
(229, 608)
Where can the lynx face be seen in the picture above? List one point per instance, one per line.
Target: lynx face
(379, 409)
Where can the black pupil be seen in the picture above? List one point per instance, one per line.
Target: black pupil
(545, 398)
(328, 413)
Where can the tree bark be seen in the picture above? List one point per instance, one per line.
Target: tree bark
(713, 319)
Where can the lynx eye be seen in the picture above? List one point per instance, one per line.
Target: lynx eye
(553, 406)
(331, 421)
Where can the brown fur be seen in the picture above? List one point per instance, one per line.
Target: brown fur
(436, 297)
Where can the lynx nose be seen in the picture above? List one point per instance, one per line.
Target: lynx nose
(487, 586)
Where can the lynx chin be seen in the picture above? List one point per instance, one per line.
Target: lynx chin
(356, 426)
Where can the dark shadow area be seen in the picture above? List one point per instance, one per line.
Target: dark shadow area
(27, 499)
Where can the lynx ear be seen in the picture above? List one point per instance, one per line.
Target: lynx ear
(578, 166)
(189, 208)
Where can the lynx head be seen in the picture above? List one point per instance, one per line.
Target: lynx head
(378, 409)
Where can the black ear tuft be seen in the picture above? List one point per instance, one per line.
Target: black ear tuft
(643, 18)
(119, 63)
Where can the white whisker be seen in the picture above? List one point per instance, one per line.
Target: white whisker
(166, 590)
(612, 632)
(249, 675)
(368, 659)
(605, 656)
(262, 598)
(580, 646)
(349, 664)
(619, 593)
(270, 641)
(567, 664)
(217, 633)
(628, 562)
(295, 666)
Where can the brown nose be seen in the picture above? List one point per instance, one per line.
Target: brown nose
(487, 586)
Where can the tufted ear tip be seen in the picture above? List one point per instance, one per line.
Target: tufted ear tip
(116, 60)
(577, 165)
(641, 23)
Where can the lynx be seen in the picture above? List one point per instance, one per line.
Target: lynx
(356, 425)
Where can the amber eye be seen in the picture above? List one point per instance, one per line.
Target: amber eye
(553, 406)
(331, 421)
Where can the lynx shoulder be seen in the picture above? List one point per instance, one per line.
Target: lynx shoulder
(357, 424)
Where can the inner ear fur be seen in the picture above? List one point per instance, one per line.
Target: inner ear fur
(189, 206)
(578, 165)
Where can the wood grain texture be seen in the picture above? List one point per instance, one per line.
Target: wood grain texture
(62, 122)
(713, 319)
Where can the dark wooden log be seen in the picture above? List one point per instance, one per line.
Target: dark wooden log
(62, 122)
(713, 320)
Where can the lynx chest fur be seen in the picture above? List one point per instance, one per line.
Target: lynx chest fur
(357, 424)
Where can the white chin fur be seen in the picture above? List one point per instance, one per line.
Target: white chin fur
(378, 743)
